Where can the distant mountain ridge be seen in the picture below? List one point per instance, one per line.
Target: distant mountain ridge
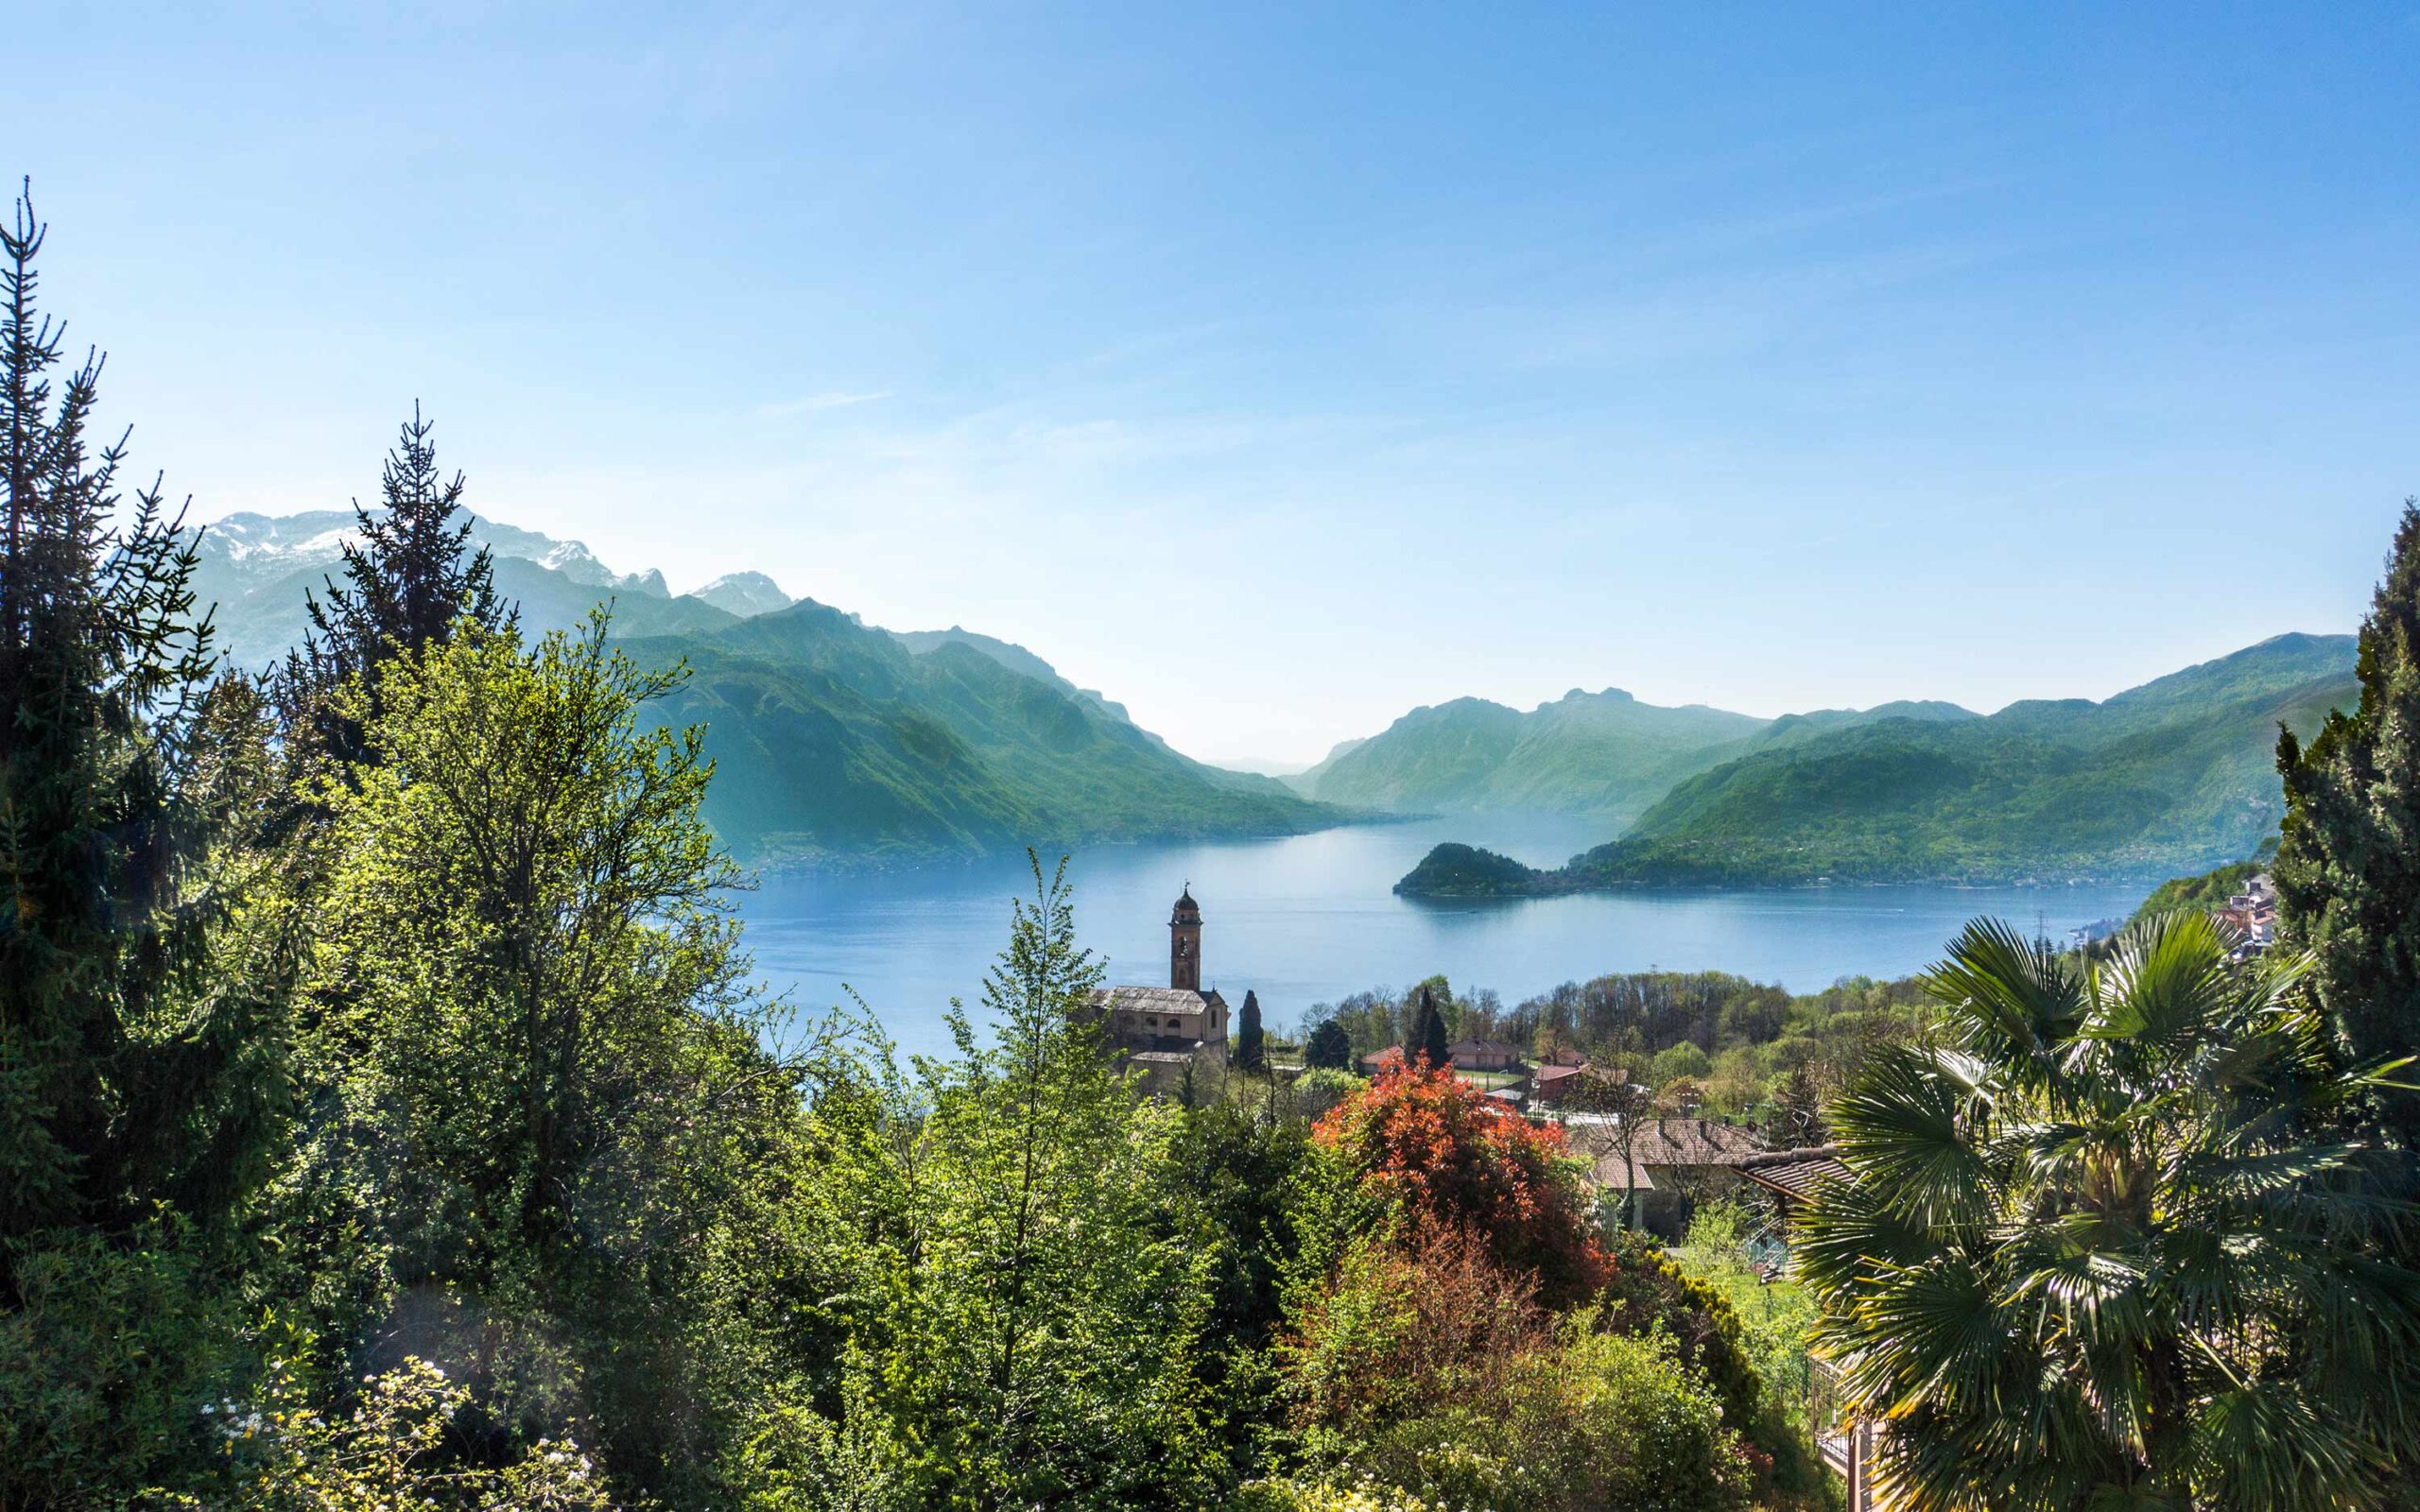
(838, 742)
(256, 569)
(2172, 776)
(745, 595)
(1603, 754)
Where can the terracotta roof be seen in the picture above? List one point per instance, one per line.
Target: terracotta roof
(1682, 1143)
(1796, 1174)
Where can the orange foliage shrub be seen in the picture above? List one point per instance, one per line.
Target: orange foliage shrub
(1450, 1160)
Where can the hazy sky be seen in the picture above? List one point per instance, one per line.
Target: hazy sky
(1277, 368)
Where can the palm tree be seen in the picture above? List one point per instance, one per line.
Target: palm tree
(2115, 1240)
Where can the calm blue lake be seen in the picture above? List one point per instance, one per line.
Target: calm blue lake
(1310, 919)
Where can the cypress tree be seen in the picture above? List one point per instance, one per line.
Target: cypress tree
(1251, 1048)
(411, 575)
(1426, 1039)
(2348, 866)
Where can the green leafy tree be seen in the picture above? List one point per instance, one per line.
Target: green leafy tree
(1252, 1053)
(1798, 1111)
(2348, 867)
(1046, 1320)
(1250, 1197)
(2112, 1247)
(548, 1119)
(1328, 1047)
(139, 1082)
(409, 579)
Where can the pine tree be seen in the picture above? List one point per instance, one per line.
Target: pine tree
(137, 1074)
(411, 575)
(1250, 1046)
(2348, 867)
(104, 673)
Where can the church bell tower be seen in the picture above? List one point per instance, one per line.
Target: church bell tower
(1184, 943)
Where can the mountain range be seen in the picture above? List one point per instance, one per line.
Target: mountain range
(835, 741)
(2174, 775)
(1605, 755)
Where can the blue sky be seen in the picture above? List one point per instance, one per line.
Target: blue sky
(1277, 368)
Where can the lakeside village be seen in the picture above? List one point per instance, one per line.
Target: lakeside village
(1653, 1161)
(1656, 1161)
(2250, 915)
(1655, 1158)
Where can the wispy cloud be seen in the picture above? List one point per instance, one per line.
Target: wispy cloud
(813, 403)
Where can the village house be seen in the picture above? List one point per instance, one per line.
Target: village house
(1674, 1164)
(1793, 1176)
(1484, 1054)
(2252, 914)
(1168, 1031)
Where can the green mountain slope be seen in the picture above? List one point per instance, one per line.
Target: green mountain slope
(834, 740)
(1603, 753)
(2174, 774)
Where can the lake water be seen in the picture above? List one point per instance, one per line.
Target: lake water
(1310, 919)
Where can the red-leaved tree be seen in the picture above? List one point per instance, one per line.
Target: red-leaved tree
(1449, 1160)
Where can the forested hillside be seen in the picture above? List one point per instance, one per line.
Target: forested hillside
(835, 740)
(1603, 754)
(838, 743)
(2174, 775)
(1587, 752)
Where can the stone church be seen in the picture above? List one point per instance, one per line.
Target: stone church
(1164, 1030)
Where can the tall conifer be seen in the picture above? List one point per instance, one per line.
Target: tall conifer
(2348, 867)
(104, 669)
(411, 575)
(1250, 1044)
(1428, 1036)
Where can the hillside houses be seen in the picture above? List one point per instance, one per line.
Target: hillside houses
(1672, 1165)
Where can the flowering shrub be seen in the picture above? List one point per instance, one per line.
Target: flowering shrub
(388, 1455)
(1451, 1159)
(1304, 1496)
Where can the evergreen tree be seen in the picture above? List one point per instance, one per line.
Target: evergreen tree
(1328, 1048)
(2348, 868)
(135, 1071)
(1427, 1038)
(411, 575)
(106, 739)
(1252, 1052)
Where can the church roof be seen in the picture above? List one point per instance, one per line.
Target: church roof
(1157, 999)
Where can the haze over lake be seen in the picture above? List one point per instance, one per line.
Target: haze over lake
(1310, 917)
